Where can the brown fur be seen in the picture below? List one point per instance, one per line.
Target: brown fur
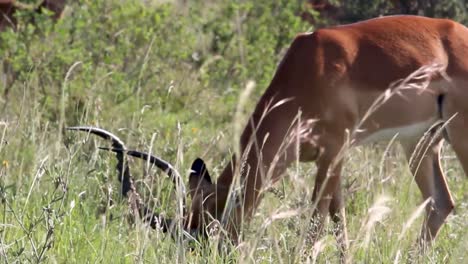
(9, 7)
(333, 76)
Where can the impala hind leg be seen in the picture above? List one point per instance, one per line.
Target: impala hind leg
(426, 169)
(455, 108)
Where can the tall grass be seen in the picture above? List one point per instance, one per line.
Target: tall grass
(168, 81)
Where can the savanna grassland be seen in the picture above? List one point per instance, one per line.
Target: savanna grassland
(177, 79)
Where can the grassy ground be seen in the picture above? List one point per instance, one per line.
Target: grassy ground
(167, 78)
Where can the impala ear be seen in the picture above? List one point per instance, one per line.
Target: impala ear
(199, 171)
(199, 176)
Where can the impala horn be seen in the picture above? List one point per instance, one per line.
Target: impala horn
(161, 164)
(128, 187)
(124, 175)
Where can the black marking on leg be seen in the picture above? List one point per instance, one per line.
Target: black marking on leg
(440, 108)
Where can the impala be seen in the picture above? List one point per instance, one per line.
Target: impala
(332, 79)
(9, 7)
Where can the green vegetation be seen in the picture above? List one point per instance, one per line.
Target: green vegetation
(166, 76)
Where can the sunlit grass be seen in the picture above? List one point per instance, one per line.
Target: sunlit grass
(70, 192)
(59, 196)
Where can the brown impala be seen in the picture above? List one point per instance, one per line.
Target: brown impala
(9, 7)
(358, 83)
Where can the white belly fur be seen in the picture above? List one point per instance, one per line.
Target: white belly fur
(413, 131)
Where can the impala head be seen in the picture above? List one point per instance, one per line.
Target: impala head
(203, 193)
(208, 199)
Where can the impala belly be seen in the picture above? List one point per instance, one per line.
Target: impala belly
(406, 115)
(409, 132)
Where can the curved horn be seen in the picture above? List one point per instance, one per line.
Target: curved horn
(161, 164)
(122, 164)
(116, 141)
(158, 162)
(155, 220)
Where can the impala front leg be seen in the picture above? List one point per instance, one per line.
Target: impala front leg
(327, 189)
(337, 214)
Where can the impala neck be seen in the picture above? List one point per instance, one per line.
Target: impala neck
(265, 157)
(260, 145)
(226, 177)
